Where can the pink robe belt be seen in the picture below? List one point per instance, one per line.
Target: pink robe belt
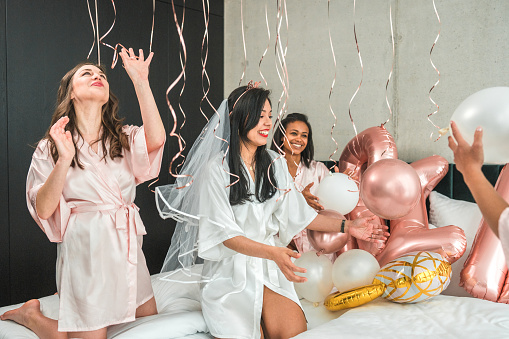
(127, 217)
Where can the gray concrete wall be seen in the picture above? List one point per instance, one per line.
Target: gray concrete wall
(470, 55)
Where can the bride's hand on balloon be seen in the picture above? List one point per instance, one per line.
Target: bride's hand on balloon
(136, 66)
(365, 229)
(63, 140)
(282, 257)
(467, 157)
(311, 199)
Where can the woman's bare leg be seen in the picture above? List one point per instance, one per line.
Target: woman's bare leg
(146, 309)
(30, 316)
(282, 318)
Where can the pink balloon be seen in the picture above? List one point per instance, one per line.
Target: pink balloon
(328, 242)
(411, 233)
(390, 188)
(485, 269)
(369, 146)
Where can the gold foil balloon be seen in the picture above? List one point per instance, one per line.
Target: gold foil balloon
(353, 298)
(414, 277)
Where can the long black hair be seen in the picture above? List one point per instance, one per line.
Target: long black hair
(307, 154)
(245, 107)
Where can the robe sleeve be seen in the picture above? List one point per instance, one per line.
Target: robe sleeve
(145, 165)
(40, 168)
(293, 212)
(503, 232)
(217, 221)
(321, 171)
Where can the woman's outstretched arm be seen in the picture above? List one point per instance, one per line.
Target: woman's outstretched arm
(138, 69)
(469, 160)
(280, 255)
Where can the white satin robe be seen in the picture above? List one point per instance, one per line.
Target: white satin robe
(315, 173)
(503, 232)
(232, 300)
(101, 272)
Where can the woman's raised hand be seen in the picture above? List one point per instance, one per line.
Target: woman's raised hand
(136, 66)
(311, 199)
(63, 140)
(364, 229)
(282, 257)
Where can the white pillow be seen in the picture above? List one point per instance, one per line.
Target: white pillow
(445, 211)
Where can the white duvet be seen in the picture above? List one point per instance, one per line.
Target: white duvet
(180, 316)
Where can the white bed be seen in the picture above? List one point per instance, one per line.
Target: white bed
(180, 317)
(448, 315)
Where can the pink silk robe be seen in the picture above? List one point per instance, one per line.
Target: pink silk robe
(315, 173)
(101, 275)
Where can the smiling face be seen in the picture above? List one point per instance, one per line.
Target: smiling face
(258, 135)
(296, 140)
(89, 83)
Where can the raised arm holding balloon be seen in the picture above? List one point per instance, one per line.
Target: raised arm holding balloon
(469, 160)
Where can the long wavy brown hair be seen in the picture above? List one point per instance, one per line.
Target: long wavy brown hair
(111, 123)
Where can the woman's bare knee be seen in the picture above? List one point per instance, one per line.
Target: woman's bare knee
(146, 309)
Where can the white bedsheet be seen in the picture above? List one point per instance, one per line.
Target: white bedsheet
(440, 317)
(180, 317)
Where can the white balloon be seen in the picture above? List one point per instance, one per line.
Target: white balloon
(338, 192)
(354, 268)
(319, 275)
(488, 108)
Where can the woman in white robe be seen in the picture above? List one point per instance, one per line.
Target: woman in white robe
(80, 190)
(243, 202)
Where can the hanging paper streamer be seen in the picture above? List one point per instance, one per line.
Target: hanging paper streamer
(183, 59)
(100, 41)
(205, 45)
(153, 22)
(243, 40)
(392, 68)
(115, 51)
(362, 71)
(444, 130)
(332, 86)
(282, 72)
(390, 146)
(97, 34)
(267, 48)
(93, 28)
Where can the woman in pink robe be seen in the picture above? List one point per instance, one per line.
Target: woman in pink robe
(297, 143)
(80, 190)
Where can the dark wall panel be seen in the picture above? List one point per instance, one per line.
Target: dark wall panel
(5, 297)
(43, 40)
